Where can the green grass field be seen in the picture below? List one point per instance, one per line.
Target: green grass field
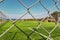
(15, 34)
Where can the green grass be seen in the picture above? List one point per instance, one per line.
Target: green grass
(15, 34)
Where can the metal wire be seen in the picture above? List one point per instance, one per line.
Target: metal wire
(49, 37)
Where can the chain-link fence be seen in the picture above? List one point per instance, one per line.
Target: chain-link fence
(34, 30)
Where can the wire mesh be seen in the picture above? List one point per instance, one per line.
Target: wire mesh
(49, 37)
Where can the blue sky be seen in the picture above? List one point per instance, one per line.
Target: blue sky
(14, 9)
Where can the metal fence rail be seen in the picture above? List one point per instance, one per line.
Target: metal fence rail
(39, 22)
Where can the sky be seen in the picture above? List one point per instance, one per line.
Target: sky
(14, 9)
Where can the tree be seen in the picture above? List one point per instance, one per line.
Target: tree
(55, 15)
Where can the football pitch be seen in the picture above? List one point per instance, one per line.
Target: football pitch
(16, 34)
